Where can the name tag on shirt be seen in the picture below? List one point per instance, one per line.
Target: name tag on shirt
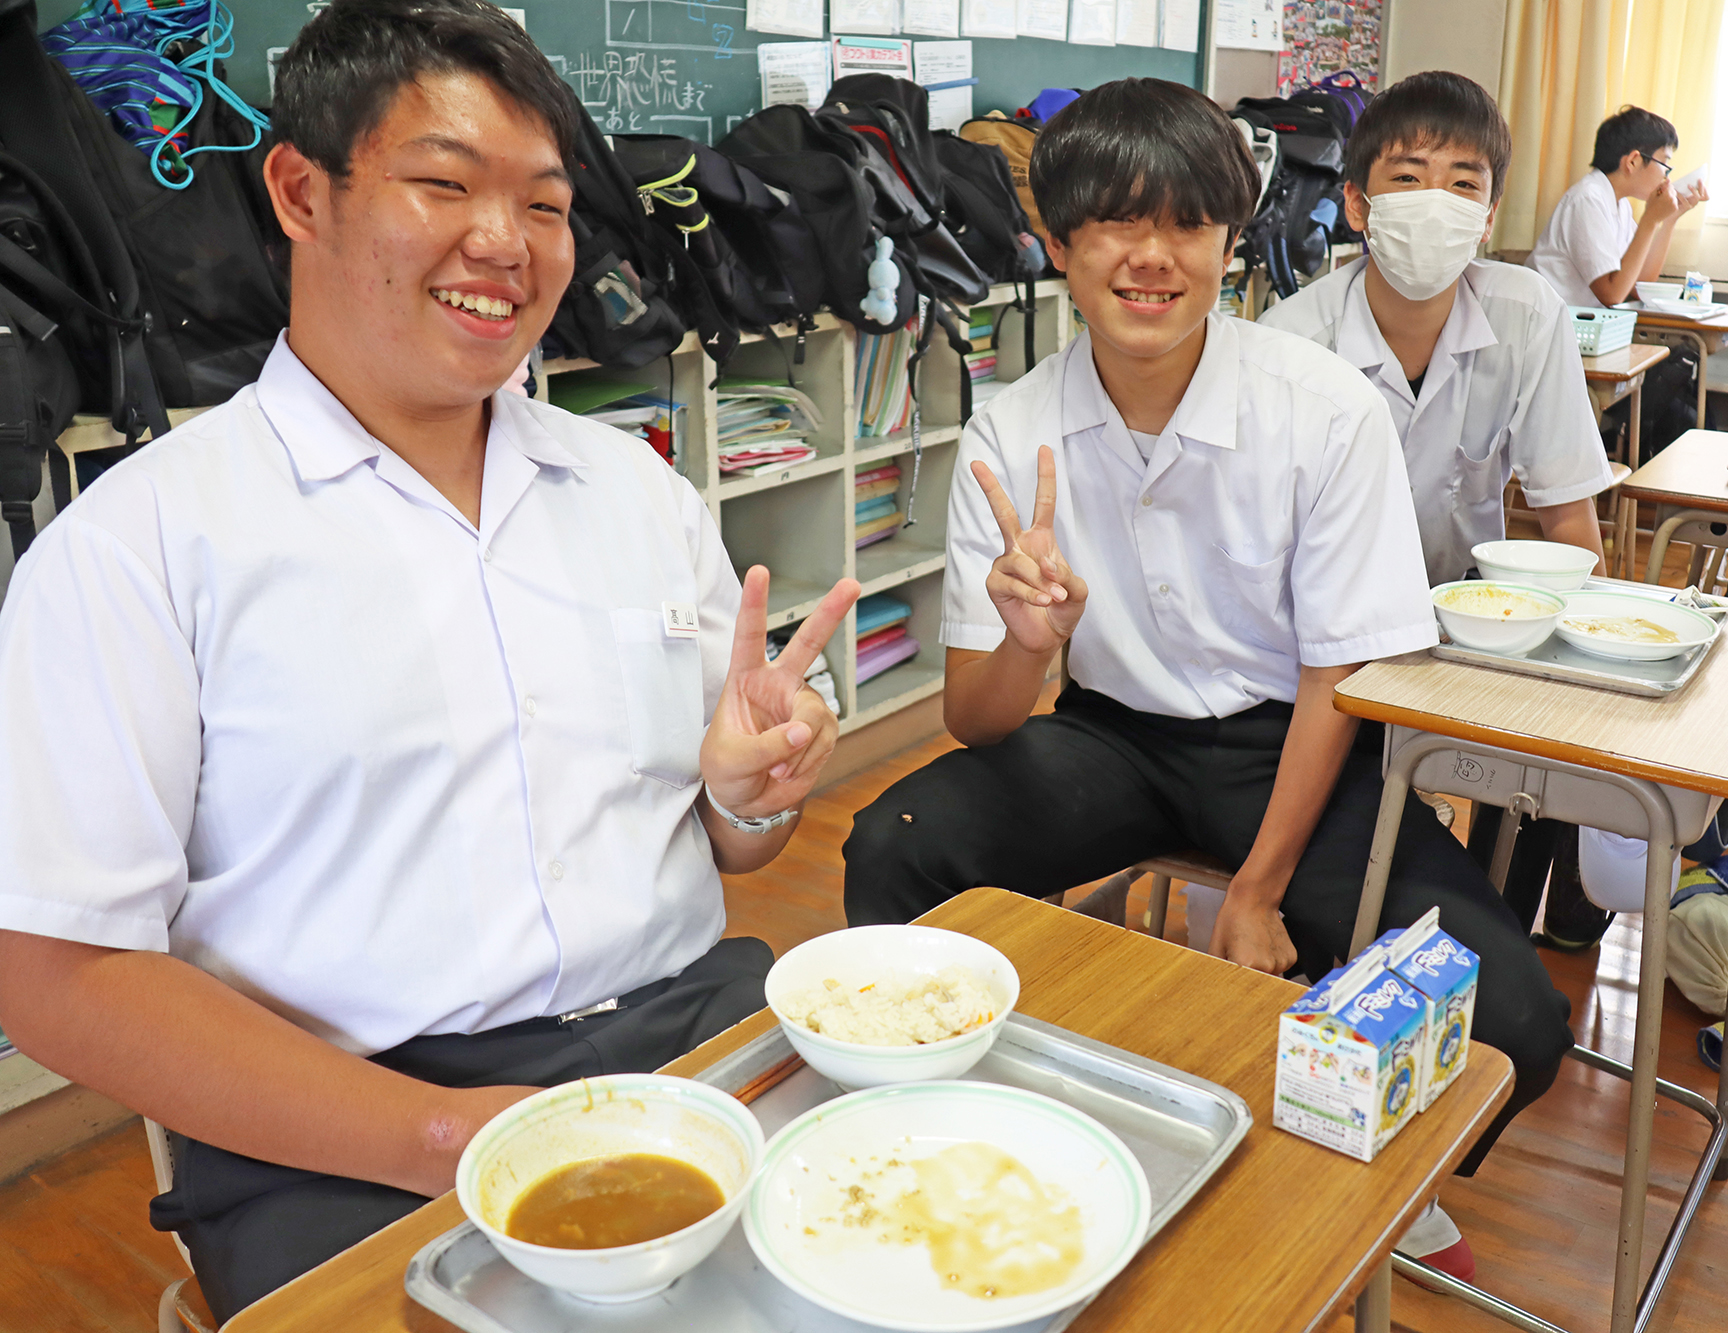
(680, 618)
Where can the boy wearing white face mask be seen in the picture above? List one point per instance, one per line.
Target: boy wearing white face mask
(1477, 360)
(1479, 364)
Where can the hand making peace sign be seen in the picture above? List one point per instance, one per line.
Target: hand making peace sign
(1038, 597)
(771, 733)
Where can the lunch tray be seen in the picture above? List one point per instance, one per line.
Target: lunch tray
(1180, 1128)
(1555, 659)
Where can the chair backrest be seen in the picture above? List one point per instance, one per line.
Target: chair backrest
(162, 1161)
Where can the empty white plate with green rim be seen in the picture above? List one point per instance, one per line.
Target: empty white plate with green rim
(904, 1206)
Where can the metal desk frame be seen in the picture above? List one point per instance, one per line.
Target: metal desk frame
(1633, 807)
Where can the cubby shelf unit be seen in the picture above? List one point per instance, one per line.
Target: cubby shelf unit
(798, 520)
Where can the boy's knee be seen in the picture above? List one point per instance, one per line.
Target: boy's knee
(897, 857)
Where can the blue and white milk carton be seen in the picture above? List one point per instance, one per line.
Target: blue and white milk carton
(1348, 1057)
(1446, 973)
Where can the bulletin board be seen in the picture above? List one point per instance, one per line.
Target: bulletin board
(1322, 37)
(689, 67)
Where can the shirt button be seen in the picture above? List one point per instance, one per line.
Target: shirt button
(1163, 587)
(1145, 501)
(1193, 661)
(557, 870)
(528, 705)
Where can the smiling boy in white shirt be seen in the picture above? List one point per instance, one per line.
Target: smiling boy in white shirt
(374, 742)
(1217, 524)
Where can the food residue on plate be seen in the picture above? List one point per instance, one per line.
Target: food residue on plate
(1632, 629)
(610, 1201)
(1485, 599)
(993, 1229)
(895, 1012)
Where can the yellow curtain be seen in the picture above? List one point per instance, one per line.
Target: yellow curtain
(1567, 64)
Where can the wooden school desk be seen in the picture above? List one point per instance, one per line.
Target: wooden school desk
(1682, 330)
(1689, 480)
(1283, 1237)
(1645, 768)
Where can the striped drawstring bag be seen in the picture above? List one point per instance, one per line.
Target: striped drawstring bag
(122, 54)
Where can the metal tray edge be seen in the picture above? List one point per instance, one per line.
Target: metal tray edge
(425, 1289)
(1602, 679)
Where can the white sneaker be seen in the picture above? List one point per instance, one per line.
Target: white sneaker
(1436, 1241)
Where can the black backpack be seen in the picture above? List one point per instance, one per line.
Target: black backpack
(751, 244)
(39, 389)
(890, 119)
(1303, 211)
(43, 123)
(984, 212)
(823, 169)
(629, 298)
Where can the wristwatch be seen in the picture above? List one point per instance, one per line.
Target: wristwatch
(750, 825)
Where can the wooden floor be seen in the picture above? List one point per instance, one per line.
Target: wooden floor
(77, 1255)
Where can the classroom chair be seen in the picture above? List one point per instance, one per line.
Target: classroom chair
(1708, 535)
(182, 1308)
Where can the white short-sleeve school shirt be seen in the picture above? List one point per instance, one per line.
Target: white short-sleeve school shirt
(1586, 238)
(269, 703)
(1503, 393)
(1269, 528)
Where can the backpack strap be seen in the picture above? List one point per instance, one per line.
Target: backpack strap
(20, 450)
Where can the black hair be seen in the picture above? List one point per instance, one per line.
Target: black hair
(1426, 110)
(335, 84)
(1142, 148)
(1631, 129)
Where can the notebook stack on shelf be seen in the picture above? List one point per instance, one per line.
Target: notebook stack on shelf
(627, 406)
(6, 1047)
(981, 363)
(818, 676)
(763, 426)
(876, 504)
(882, 638)
(884, 391)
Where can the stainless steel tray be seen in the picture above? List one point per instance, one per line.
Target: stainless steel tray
(1555, 659)
(1181, 1128)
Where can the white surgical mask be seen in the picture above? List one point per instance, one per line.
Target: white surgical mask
(1422, 239)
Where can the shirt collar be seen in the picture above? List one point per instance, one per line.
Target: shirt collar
(1363, 345)
(1206, 414)
(325, 440)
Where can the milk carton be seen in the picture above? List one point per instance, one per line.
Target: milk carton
(1348, 1052)
(1445, 972)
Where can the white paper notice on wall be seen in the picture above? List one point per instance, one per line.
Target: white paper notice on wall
(930, 18)
(1092, 22)
(794, 18)
(873, 18)
(1250, 25)
(1137, 22)
(1179, 25)
(872, 55)
(987, 18)
(795, 73)
(1043, 18)
(945, 69)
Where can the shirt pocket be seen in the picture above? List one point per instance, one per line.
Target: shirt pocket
(662, 696)
(1481, 480)
(1253, 598)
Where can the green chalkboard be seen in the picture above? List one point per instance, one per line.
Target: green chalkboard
(684, 67)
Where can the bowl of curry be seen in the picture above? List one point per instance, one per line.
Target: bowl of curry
(611, 1188)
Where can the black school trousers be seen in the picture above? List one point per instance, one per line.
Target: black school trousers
(252, 1226)
(1095, 786)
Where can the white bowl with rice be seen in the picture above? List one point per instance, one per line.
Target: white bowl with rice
(892, 1004)
(1508, 618)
